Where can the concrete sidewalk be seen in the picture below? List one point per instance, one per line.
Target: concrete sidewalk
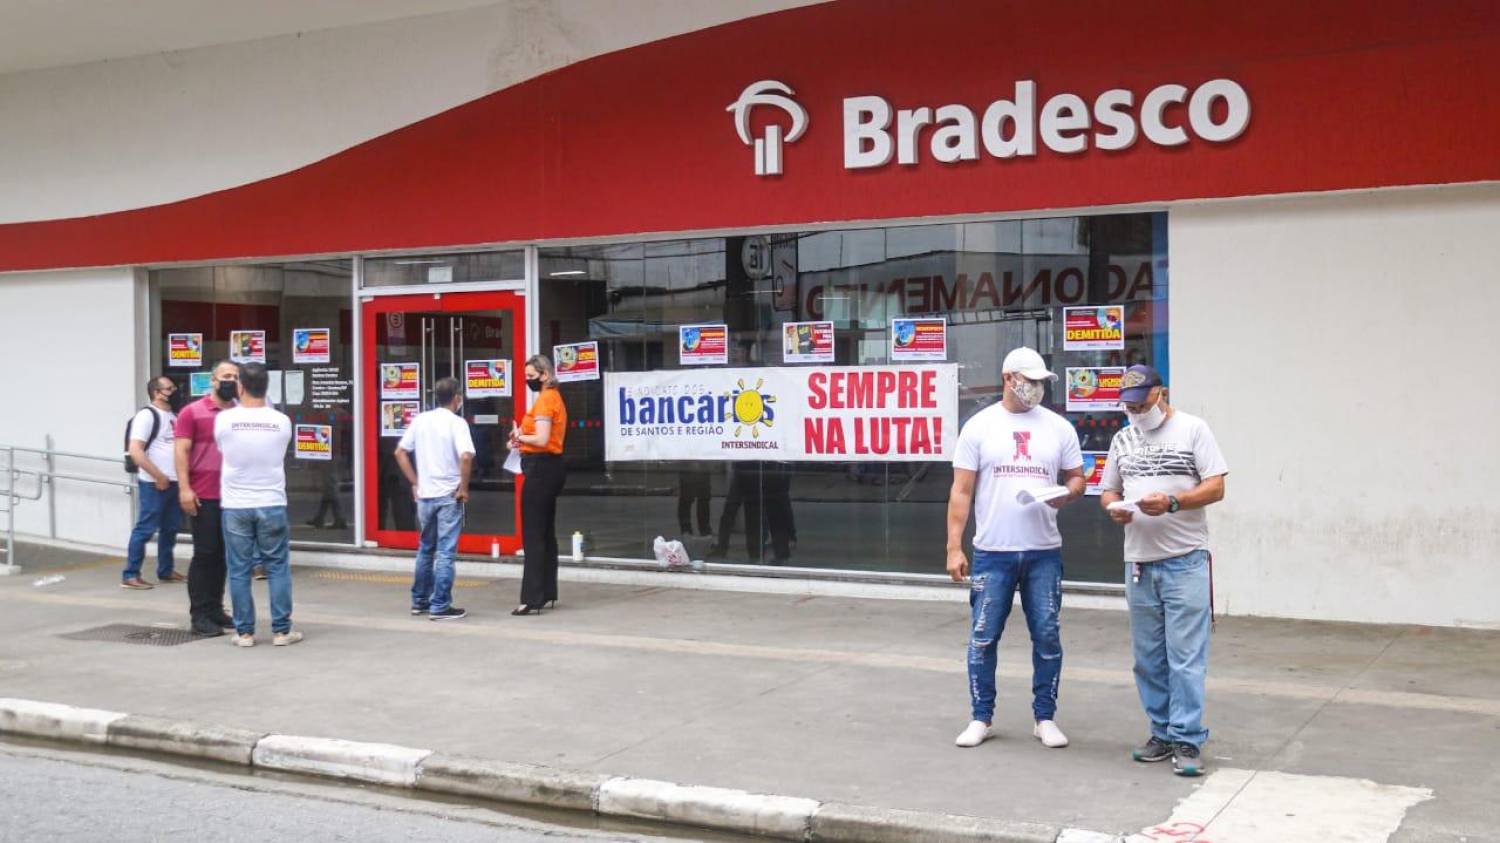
(1320, 731)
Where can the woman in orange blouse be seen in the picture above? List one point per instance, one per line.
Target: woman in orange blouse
(540, 438)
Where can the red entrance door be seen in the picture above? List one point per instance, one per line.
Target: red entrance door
(411, 342)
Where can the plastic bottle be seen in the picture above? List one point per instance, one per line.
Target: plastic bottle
(494, 548)
(577, 545)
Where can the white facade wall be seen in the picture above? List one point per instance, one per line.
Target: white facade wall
(1339, 347)
(72, 366)
(128, 133)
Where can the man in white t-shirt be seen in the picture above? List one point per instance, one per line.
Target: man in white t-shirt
(253, 439)
(1017, 463)
(1162, 472)
(160, 514)
(440, 483)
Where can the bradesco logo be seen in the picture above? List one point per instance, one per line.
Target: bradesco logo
(768, 145)
(669, 412)
(875, 132)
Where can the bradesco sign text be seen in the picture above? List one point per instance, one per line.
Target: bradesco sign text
(865, 413)
(1218, 111)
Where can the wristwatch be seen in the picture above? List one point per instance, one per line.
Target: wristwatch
(1173, 504)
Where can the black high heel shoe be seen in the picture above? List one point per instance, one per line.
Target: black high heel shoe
(526, 610)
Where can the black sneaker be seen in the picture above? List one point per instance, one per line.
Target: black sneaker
(1185, 760)
(452, 613)
(1155, 749)
(419, 610)
(206, 627)
(222, 619)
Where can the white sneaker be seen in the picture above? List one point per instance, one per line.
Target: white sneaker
(283, 639)
(977, 733)
(1047, 732)
(242, 640)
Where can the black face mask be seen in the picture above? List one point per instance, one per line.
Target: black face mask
(228, 390)
(534, 384)
(175, 401)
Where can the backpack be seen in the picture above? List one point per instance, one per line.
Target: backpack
(130, 466)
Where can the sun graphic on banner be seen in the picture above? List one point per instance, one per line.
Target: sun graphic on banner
(752, 408)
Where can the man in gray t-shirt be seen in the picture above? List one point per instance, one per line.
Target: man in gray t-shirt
(1162, 472)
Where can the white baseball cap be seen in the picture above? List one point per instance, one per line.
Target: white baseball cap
(1028, 364)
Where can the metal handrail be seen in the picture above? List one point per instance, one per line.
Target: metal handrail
(46, 482)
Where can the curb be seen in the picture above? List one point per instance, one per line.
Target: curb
(58, 722)
(722, 809)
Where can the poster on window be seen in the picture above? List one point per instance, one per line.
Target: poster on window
(703, 345)
(200, 384)
(807, 342)
(577, 361)
(395, 334)
(313, 442)
(1093, 472)
(919, 339)
(845, 414)
(1092, 388)
(1093, 328)
(400, 380)
(311, 345)
(184, 351)
(396, 416)
(486, 378)
(247, 346)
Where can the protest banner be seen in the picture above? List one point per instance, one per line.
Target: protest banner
(313, 442)
(311, 345)
(486, 378)
(400, 381)
(577, 361)
(184, 351)
(850, 413)
(1092, 388)
(1093, 328)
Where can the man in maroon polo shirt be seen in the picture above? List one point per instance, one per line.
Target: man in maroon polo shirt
(198, 467)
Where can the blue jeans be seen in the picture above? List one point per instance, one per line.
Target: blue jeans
(161, 514)
(993, 584)
(439, 521)
(258, 537)
(1170, 618)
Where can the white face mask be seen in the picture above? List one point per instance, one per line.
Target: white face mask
(1149, 420)
(1028, 392)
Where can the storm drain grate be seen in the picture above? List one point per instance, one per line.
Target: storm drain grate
(129, 633)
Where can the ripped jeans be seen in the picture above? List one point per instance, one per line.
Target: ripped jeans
(995, 578)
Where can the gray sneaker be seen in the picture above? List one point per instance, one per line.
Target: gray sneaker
(1154, 749)
(1186, 760)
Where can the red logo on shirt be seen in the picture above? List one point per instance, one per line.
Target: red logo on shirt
(1023, 444)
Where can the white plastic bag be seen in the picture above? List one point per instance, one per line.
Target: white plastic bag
(671, 554)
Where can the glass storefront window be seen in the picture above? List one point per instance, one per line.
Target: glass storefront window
(998, 284)
(298, 315)
(466, 268)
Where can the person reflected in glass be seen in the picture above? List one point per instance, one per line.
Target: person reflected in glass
(330, 478)
(540, 441)
(764, 491)
(694, 491)
(734, 498)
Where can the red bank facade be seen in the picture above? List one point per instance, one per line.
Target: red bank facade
(1287, 208)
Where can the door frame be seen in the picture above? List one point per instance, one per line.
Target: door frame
(371, 309)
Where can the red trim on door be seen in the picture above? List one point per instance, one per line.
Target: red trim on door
(444, 303)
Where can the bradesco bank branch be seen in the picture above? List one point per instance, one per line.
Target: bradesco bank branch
(778, 263)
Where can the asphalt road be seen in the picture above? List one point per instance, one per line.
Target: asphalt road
(58, 794)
